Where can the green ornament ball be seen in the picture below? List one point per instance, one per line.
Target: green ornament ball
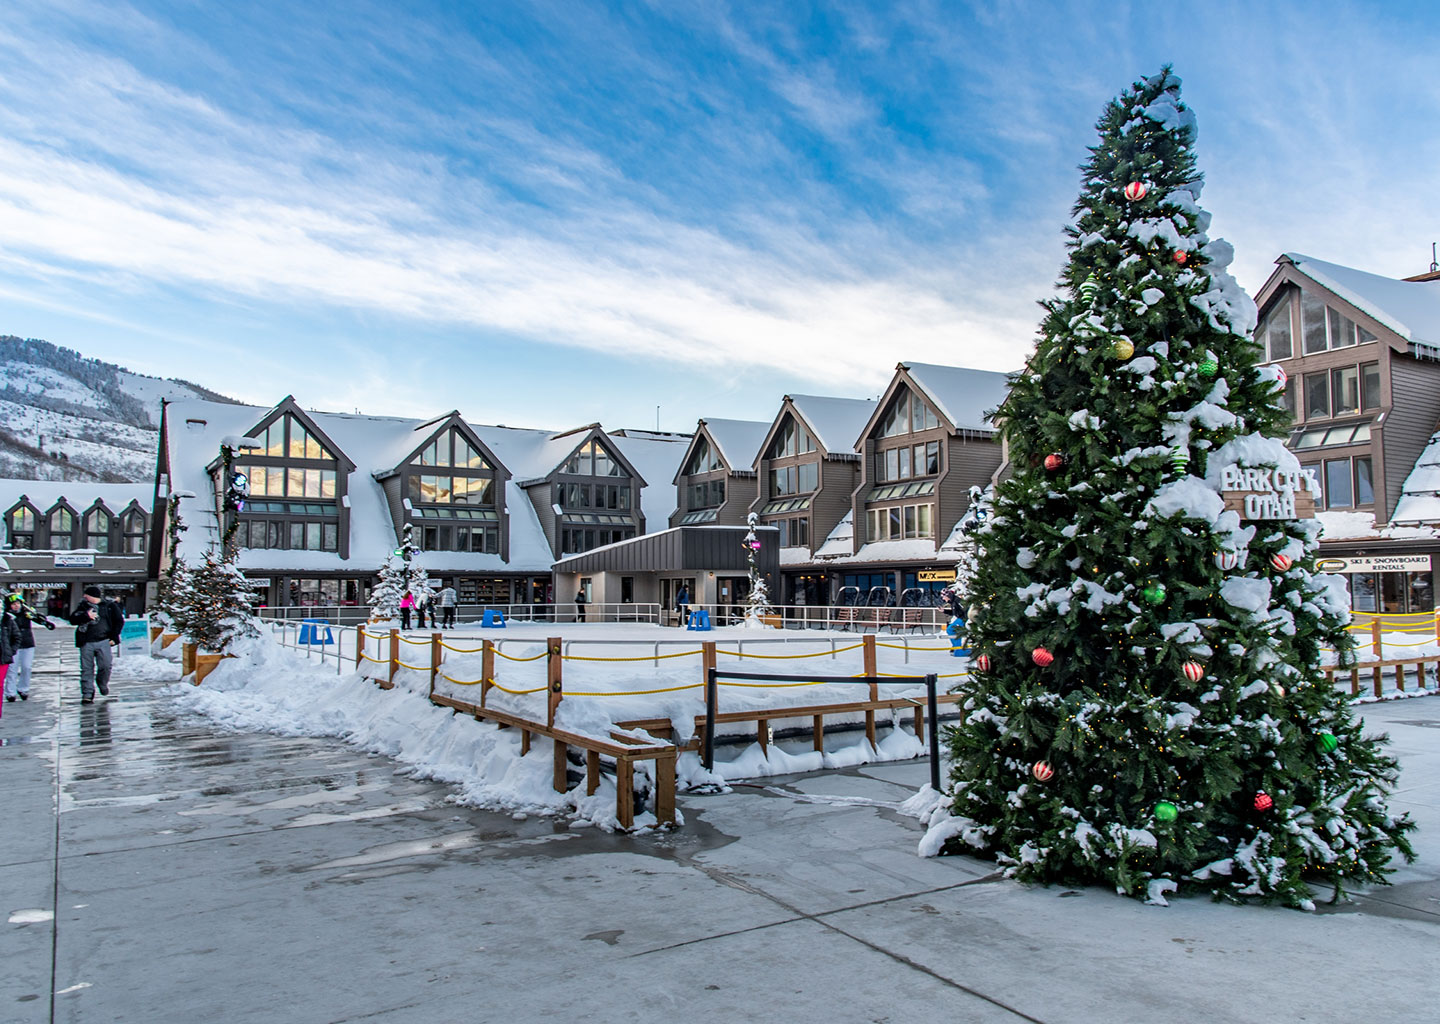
(1180, 459)
(1088, 289)
(1166, 811)
(1328, 742)
(1208, 368)
(1153, 593)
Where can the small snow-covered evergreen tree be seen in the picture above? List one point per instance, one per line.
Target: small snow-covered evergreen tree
(976, 515)
(1147, 709)
(757, 603)
(172, 590)
(220, 608)
(385, 595)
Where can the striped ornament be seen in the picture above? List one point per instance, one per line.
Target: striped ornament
(1281, 562)
(982, 663)
(1135, 191)
(1042, 771)
(1227, 560)
(1194, 671)
(1041, 657)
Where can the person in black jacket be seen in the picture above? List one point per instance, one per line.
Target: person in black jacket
(17, 680)
(9, 644)
(98, 622)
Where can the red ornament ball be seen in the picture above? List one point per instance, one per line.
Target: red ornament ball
(1194, 671)
(982, 663)
(1054, 462)
(1135, 191)
(1227, 560)
(1263, 801)
(1281, 562)
(1180, 256)
(1281, 378)
(1042, 771)
(1041, 656)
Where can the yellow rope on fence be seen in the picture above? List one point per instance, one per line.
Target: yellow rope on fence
(378, 661)
(629, 693)
(511, 657)
(414, 643)
(902, 647)
(417, 668)
(789, 657)
(460, 682)
(648, 657)
(461, 650)
(502, 689)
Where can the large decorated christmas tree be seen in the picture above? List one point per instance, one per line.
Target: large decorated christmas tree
(1146, 709)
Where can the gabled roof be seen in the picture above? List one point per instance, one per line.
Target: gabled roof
(1420, 496)
(405, 445)
(737, 440)
(963, 396)
(834, 422)
(1409, 308)
(655, 458)
(292, 407)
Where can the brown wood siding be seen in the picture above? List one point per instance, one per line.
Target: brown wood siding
(969, 462)
(541, 496)
(740, 492)
(832, 500)
(1414, 414)
(395, 488)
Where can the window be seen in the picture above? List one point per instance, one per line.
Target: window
(705, 459)
(288, 438)
(1338, 492)
(1274, 334)
(1370, 386)
(706, 494)
(62, 529)
(97, 530)
(1345, 390)
(447, 490)
(575, 495)
(904, 463)
(617, 496)
(21, 528)
(792, 439)
(808, 474)
(1290, 399)
(451, 448)
(904, 522)
(132, 527)
(1317, 395)
(592, 459)
(794, 533)
(1364, 489)
(906, 415)
(1324, 327)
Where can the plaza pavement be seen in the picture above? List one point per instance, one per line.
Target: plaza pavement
(200, 876)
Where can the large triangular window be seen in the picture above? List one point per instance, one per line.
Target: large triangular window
(906, 414)
(451, 449)
(287, 438)
(792, 439)
(705, 460)
(592, 459)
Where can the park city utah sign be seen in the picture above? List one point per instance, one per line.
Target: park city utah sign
(1268, 493)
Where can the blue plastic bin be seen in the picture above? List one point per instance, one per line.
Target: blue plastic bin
(310, 632)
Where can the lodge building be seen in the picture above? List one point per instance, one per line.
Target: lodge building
(1361, 355)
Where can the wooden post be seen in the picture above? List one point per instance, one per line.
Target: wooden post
(359, 646)
(592, 772)
(524, 742)
(1377, 679)
(562, 767)
(665, 789)
(389, 683)
(487, 669)
(1354, 682)
(554, 663)
(1437, 625)
(187, 658)
(435, 655)
(625, 792)
(817, 727)
(762, 734)
(869, 652)
(1375, 644)
(920, 724)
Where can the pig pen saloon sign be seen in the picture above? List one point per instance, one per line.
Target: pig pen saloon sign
(1375, 563)
(1267, 493)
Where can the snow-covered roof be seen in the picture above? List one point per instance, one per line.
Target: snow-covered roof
(839, 541)
(656, 459)
(835, 422)
(738, 440)
(1420, 496)
(963, 396)
(1336, 526)
(375, 444)
(43, 494)
(1409, 308)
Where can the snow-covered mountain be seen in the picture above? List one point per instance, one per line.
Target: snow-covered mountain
(64, 416)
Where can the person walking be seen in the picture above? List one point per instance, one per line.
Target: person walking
(448, 600)
(427, 607)
(682, 604)
(9, 646)
(579, 606)
(407, 602)
(17, 682)
(98, 622)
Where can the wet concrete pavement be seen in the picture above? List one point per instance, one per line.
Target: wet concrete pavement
(156, 870)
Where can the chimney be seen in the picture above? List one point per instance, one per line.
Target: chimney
(1433, 274)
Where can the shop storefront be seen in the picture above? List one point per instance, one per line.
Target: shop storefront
(1390, 584)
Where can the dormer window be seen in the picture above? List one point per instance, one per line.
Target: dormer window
(287, 438)
(792, 439)
(705, 459)
(451, 449)
(801, 479)
(906, 415)
(62, 528)
(132, 528)
(591, 459)
(21, 528)
(97, 530)
(1325, 328)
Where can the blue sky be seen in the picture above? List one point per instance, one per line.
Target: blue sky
(551, 213)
